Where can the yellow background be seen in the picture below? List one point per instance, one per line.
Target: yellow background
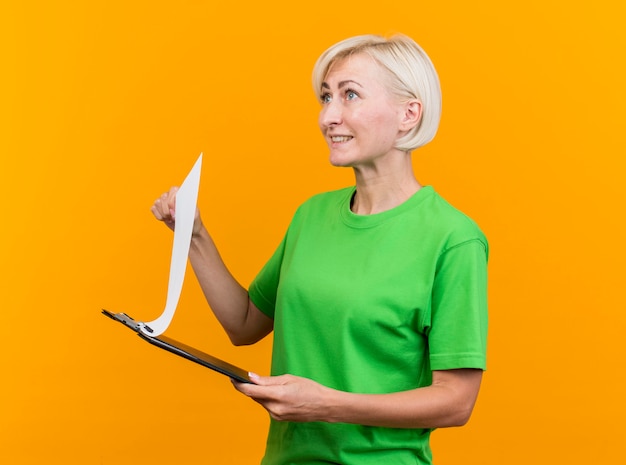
(105, 104)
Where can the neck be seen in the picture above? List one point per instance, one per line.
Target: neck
(378, 191)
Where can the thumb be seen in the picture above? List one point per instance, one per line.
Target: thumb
(266, 380)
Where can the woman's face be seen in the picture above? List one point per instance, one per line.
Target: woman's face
(360, 120)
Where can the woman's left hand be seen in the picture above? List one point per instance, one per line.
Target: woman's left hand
(448, 401)
(288, 397)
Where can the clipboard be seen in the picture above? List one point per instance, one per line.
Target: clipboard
(180, 349)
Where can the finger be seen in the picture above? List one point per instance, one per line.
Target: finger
(237, 384)
(171, 201)
(256, 392)
(167, 203)
(156, 212)
(248, 389)
(164, 205)
(270, 380)
(263, 388)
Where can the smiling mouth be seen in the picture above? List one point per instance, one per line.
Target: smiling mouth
(339, 139)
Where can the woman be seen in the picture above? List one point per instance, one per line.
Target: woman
(377, 293)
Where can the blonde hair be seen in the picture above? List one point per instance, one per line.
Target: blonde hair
(411, 76)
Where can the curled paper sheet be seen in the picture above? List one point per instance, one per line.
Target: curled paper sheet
(186, 200)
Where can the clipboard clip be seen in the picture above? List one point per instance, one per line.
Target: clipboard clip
(127, 321)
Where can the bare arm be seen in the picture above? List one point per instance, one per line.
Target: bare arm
(241, 319)
(448, 401)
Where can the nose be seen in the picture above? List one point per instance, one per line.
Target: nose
(330, 115)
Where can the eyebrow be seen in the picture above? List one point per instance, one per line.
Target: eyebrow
(341, 84)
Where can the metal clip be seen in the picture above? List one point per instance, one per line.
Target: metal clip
(128, 321)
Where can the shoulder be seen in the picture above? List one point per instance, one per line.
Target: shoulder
(451, 223)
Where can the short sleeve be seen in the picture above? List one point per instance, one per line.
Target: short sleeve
(264, 287)
(457, 336)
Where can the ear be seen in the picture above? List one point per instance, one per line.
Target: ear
(411, 115)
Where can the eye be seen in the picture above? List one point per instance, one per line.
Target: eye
(351, 95)
(325, 98)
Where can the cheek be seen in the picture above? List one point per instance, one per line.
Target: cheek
(370, 116)
(386, 120)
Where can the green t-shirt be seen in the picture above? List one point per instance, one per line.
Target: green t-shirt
(372, 304)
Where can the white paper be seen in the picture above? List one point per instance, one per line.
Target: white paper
(186, 200)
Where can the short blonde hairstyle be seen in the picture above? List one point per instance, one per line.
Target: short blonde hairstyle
(411, 76)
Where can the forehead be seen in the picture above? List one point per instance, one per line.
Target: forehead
(360, 67)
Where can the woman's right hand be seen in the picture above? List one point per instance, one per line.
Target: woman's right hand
(243, 321)
(164, 209)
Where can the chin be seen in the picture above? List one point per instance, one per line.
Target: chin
(341, 165)
(340, 162)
